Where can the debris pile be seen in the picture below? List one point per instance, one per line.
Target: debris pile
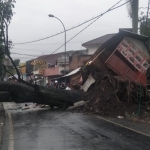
(111, 96)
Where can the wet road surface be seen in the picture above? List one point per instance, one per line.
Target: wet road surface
(45, 129)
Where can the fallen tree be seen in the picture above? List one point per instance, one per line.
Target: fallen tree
(20, 93)
(23, 91)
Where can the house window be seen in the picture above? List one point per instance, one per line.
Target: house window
(131, 59)
(141, 54)
(51, 65)
(138, 66)
(131, 51)
(127, 41)
(124, 44)
(138, 58)
(134, 48)
(124, 53)
(146, 65)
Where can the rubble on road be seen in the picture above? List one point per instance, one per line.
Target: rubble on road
(76, 105)
(26, 107)
(29, 106)
(120, 117)
(80, 103)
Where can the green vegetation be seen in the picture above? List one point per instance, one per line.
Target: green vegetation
(6, 14)
(144, 25)
(17, 62)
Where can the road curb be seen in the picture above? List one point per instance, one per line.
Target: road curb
(123, 126)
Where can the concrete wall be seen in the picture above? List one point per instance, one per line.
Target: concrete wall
(92, 49)
(77, 61)
(52, 71)
(74, 62)
(83, 60)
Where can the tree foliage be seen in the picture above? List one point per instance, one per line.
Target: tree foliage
(144, 19)
(1, 56)
(6, 9)
(6, 14)
(144, 25)
(17, 62)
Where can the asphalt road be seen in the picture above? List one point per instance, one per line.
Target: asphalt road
(45, 129)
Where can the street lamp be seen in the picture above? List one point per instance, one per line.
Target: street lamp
(50, 15)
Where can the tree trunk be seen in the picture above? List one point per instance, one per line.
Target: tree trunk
(20, 93)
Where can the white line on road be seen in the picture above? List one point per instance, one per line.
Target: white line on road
(11, 133)
(123, 126)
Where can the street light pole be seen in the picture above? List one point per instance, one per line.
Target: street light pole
(50, 15)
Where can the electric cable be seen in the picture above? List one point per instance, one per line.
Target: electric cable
(74, 26)
(110, 9)
(25, 54)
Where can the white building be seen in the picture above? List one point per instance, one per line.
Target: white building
(94, 44)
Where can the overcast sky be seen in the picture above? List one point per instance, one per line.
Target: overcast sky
(31, 22)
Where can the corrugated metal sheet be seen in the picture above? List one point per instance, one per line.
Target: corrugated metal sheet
(117, 65)
(124, 71)
(133, 75)
(143, 79)
(72, 72)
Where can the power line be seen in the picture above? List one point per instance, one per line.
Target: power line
(39, 54)
(110, 9)
(72, 27)
(35, 50)
(24, 54)
(41, 44)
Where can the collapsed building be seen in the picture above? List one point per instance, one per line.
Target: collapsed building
(117, 73)
(126, 54)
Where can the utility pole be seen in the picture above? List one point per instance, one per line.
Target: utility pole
(135, 7)
(147, 17)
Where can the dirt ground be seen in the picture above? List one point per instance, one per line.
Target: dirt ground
(124, 110)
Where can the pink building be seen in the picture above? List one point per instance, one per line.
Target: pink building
(48, 67)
